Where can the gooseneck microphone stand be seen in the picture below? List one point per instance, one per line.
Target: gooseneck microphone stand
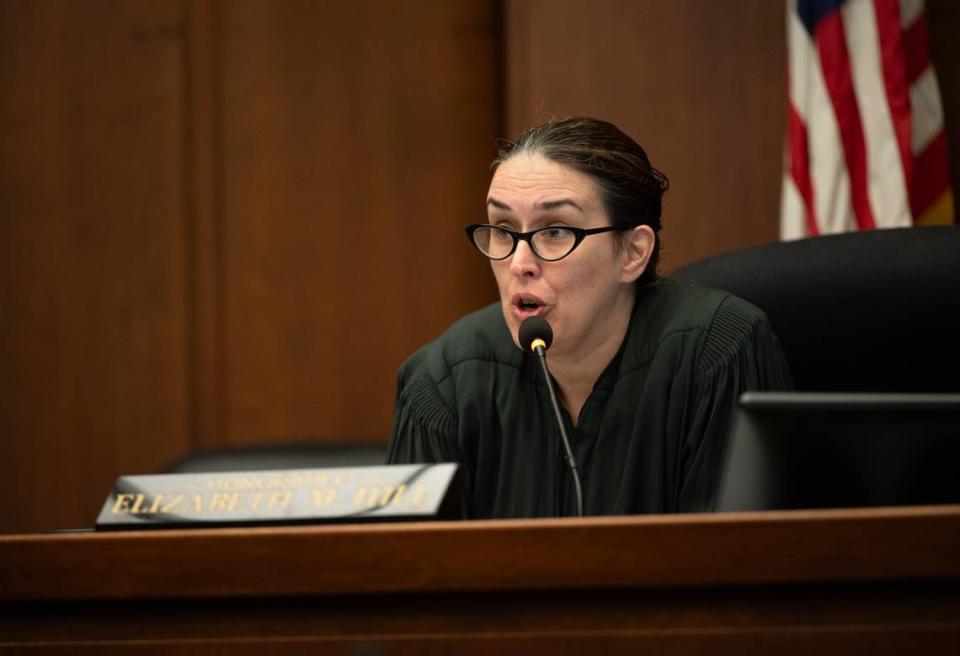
(536, 335)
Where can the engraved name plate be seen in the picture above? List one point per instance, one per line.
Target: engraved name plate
(293, 496)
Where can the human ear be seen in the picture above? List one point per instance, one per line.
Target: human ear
(638, 244)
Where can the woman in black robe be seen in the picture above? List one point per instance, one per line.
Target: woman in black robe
(647, 370)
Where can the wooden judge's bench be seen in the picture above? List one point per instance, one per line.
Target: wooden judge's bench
(879, 581)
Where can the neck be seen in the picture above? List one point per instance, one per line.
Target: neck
(577, 373)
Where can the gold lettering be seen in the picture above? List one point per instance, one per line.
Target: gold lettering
(324, 497)
(366, 497)
(137, 503)
(419, 493)
(156, 504)
(235, 483)
(387, 496)
(224, 501)
(172, 504)
(276, 481)
(198, 503)
(398, 495)
(121, 505)
(280, 500)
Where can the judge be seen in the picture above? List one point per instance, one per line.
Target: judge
(647, 371)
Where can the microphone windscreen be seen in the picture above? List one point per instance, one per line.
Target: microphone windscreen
(533, 328)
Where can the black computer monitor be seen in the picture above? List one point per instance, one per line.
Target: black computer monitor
(815, 450)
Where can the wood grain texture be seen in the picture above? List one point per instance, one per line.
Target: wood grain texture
(203, 203)
(356, 143)
(92, 332)
(843, 580)
(663, 551)
(225, 222)
(734, 620)
(699, 85)
(228, 222)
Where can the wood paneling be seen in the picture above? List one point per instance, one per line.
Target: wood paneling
(225, 222)
(356, 143)
(92, 333)
(700, 85)
(203, 200)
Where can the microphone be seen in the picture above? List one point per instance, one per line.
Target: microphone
(536, 335)
(535, 329)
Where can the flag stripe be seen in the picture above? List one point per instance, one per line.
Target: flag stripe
(895, 78)
(927, 111)
(916, 49)
(791, 207)
(865, 144)
(835, 62)
(886, 186)
(931, 175)
(830, 181)
(800, 166)
(890, 36)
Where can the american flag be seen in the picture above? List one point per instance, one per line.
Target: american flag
(865, 143)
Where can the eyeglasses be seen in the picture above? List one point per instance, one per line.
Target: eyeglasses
(550, 244)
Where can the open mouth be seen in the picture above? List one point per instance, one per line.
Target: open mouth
(527, 305)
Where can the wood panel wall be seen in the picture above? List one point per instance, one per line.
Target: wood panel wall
(224, 222)
(700, 85)
(93, 330)
(230, 221)
(697, 84)
(346, 189)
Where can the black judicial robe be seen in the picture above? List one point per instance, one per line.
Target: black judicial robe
(649, 438)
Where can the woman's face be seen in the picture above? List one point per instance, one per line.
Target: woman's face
(583, 296)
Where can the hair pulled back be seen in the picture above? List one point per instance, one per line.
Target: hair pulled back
(630, 188)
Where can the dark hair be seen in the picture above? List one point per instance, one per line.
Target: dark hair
(630, 188)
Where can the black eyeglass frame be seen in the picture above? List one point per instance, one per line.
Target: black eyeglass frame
(579, 235)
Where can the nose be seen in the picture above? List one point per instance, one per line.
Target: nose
(523, 263)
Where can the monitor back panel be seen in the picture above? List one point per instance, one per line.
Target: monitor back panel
(792, 450)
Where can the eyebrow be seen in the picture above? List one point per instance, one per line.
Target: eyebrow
(543, 206)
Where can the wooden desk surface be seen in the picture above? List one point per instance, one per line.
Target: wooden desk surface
(882, 544)
(889, 577)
